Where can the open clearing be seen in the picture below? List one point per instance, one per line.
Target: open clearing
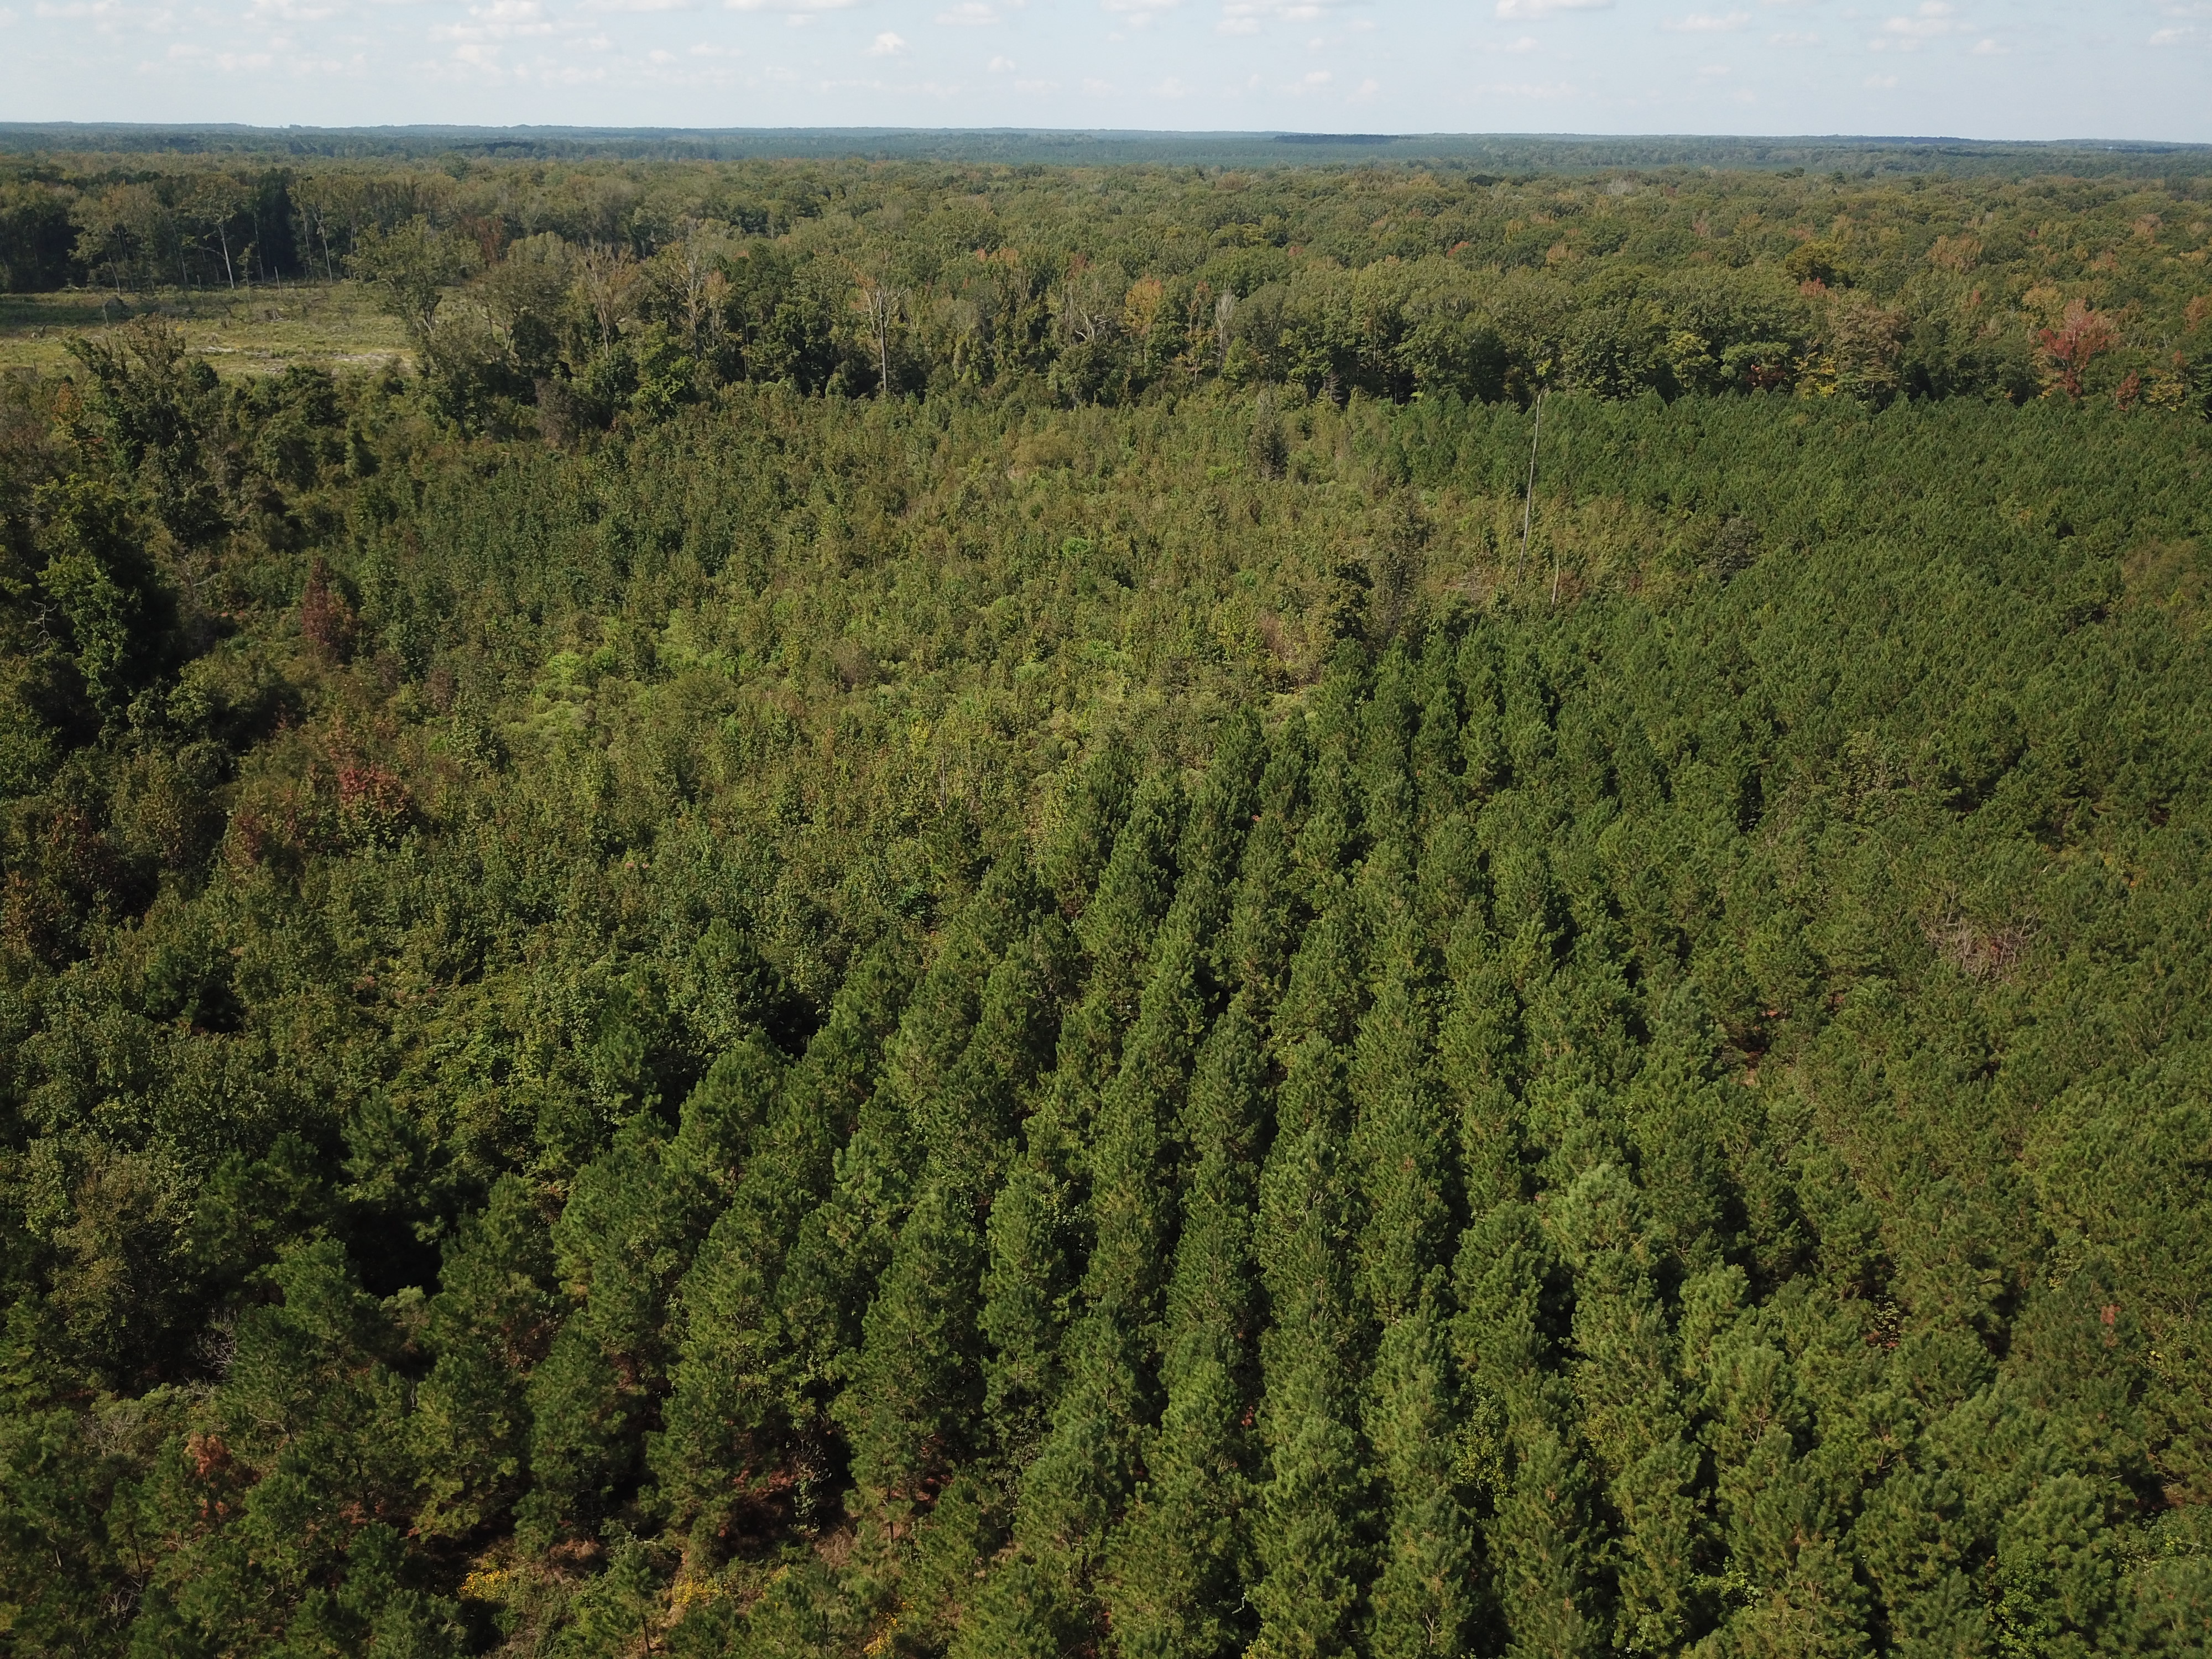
(260, 331)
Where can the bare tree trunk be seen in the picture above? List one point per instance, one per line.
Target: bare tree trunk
(881, 302)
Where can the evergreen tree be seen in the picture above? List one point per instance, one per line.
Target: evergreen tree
(844, 1245)
(1546, 1560)
(579, 1068)
(1402, 1142)
(729, 1379)
(1623, 1381)
(1174, 1583)
(1438, 760)
(1314, 1519)
(1478, 1042)
(1426, 1597)
(493, 1316)
(1029, 1279)
(911, 1409)
(1268, 913)
(1223, 807)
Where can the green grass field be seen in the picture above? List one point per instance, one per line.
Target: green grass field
(260, 331)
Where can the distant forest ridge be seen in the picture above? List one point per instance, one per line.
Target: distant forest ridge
(1509, 153)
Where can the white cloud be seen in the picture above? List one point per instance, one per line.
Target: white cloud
(290, 11)
(1991, 48)
(104, 10)
(1244, 17)
(887, 44)
(795, 7)
(1933, 20)
(1539, 89)
(634, 5)
(1533, 8)
(1142, 8)
(1001, 66)
(1880, 81)
(1097, 88)
(502, 20)
(1367, 89)
(228, 62)
(1703, 22)
(1793, 40)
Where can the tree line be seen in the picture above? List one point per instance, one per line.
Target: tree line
(611, 287)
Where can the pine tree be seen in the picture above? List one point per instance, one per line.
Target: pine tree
(1425, 1597)
(623, 1240)
(730, 1377)
(1267, 914)
(1546, 1559)
(1173, 1586)
(1093, 805)
(1028, 1282)
(1329, 840)
(1088, 1175)
(1115, 930)
(1484, 766)
(1402, 1142)
(1131, 1163)
(912, 1409)
(1387, 719)
(494, 1313)
(1223, 806)
(1624, 1380)
(1313, 1516)
(1438, 760)
(1314, 1513)
(845, 1244)
(1174, 1580)
(1479, 1043)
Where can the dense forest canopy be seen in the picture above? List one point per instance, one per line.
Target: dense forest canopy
(608, 282)
(934, 911)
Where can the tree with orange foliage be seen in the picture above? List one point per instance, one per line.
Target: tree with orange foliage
(2081, 335)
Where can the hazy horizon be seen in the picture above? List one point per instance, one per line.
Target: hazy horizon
(1991, 69)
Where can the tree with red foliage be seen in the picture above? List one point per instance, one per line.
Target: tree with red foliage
(2081, 335)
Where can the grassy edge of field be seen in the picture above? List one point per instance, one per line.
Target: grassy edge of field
(263, 330)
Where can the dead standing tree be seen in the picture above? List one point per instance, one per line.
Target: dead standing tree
(879, 304)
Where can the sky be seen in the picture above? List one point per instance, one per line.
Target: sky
(1976, 68)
